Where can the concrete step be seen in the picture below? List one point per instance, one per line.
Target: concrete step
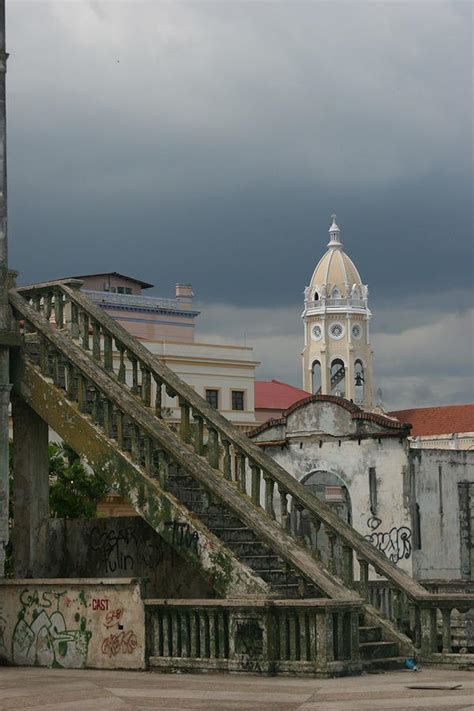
(378, 650)
(370, 634)
(233, 534)
(381, 665)
(267, 561)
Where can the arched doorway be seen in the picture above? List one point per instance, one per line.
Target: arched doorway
(330, 488)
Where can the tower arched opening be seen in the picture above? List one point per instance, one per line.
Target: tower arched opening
(359, 381)
(338, 377)
(316, 378)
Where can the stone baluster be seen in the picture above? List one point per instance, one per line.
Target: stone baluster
(240, 473)
(283, 635)
(347, 566)
(82, 393)
(149, 463)
(198, 434)
(85, 330)
(194, 633)
(75, 330)
(324, 640)
(315, 525)
(299, 508)
(227, 462)
(185, 641)
(269, 488)
(447, 640)
(364, 578)
(284, 513)
(292, 636)
(354, 633)
(108, 409)
(108, 352)
(305, 639)
(134, 362)
(255, 488)
(332, 541)
(146, 385)
(212, 446)
(96, 406)
(204, 635)
(135, 441)
(70, 382)
(166, 634)
(175, 648)
(122, 372)
(43, 356)
(55, 366)
(212, 634)
(119, 423)
(96, 340)
(58, 309)
(47, 304)
(184, 429)
(158, 391)
(163, 468)
(429, 631)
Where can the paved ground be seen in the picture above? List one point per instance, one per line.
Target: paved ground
(51, 689)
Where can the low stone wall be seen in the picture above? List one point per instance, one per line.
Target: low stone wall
(73, 624)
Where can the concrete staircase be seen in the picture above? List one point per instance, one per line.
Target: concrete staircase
(101, 391)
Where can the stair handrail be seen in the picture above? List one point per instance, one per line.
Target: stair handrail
(364, 550)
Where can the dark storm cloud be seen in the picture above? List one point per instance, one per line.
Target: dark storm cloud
(209, 143)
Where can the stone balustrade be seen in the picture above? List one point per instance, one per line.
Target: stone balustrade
(260, 635)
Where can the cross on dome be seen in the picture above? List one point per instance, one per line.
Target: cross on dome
(334, 233)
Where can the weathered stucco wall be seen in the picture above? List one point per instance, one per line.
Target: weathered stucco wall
(123, 547)
(323, 437)
(447, 534)
(72, 624)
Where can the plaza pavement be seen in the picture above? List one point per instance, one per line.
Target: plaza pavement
(83, 690)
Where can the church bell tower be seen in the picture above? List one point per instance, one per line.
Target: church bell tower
(337, 355)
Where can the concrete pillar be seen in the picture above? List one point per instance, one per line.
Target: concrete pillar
(30, 491)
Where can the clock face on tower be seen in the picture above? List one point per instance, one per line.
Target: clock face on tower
(316, 333)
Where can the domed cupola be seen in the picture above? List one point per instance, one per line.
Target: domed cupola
(337, 357)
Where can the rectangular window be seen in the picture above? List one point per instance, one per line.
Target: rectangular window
(212, 397)
(237, 399)
(128, 289)
(120, 290)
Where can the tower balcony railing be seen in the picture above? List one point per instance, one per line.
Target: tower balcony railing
(337, 303)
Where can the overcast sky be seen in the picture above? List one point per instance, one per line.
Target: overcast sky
(210, 142)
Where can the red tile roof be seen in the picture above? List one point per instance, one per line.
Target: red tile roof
(447, 419)
(275, 395)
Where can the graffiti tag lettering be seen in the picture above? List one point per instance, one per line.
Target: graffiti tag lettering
(183, 534)
(122, 643)
(113, 617)
(396, 543)
(100, 603)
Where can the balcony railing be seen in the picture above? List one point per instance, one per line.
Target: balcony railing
(336, 303)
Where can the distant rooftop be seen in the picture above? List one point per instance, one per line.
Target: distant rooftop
(441, 420)
(143, 284)
(275, 395)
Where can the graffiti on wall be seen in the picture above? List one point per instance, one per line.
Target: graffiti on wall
(183, 535)
(395, 543)
(42, 636)
(120, 549)
(121, 643)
